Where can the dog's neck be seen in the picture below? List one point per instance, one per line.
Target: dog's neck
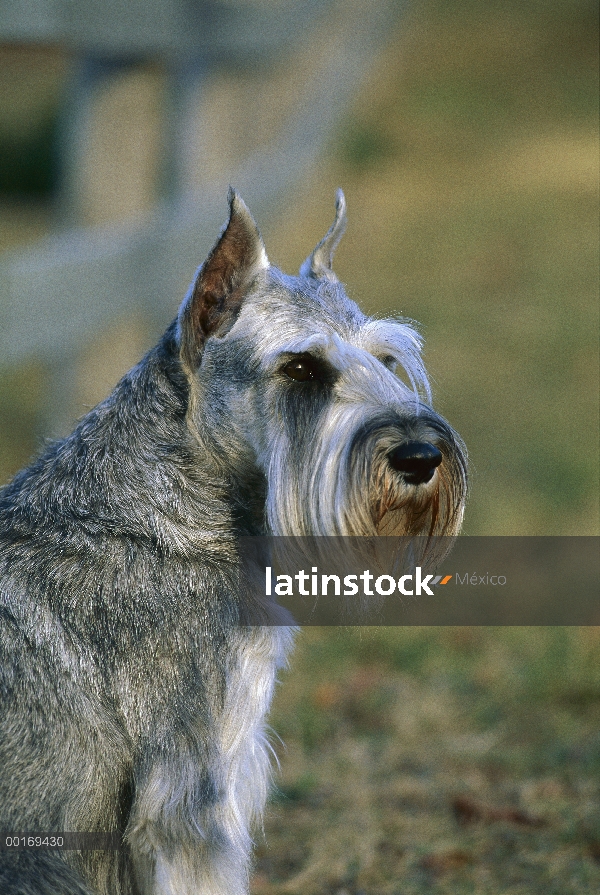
(102, 470)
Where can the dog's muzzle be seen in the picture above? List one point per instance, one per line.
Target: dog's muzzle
(416, 460)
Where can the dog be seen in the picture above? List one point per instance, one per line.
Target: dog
(133, 698)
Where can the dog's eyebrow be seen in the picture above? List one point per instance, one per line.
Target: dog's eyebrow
(308, 344)
(395, 335)
(399, 340)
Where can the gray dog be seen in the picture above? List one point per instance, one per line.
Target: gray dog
(133, 699)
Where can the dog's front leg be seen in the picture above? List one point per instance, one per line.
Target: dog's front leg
(201, 869)
(181, 837)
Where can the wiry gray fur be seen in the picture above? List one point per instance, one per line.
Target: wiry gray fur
(132, 699)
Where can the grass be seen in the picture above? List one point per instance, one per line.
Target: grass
(458, 760)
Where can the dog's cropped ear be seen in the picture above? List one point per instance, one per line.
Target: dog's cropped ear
(216, 296)
(318, 265)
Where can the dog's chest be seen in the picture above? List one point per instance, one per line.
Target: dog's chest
(243, 748)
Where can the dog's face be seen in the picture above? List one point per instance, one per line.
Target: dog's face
(332, 407)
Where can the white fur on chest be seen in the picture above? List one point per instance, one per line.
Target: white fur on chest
(244, 752)
(240, 769)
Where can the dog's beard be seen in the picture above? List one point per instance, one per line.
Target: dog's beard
(344, 484)
(432, 509)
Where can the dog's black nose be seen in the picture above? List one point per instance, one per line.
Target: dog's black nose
(416, 460)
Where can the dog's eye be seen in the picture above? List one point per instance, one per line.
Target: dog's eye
(388, 361)
(300, 370)
(306, 367)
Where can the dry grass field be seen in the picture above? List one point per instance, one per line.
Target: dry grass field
(425, 760)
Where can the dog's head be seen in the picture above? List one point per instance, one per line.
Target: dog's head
(292, 382)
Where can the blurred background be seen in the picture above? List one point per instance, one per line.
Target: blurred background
(465, 136)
